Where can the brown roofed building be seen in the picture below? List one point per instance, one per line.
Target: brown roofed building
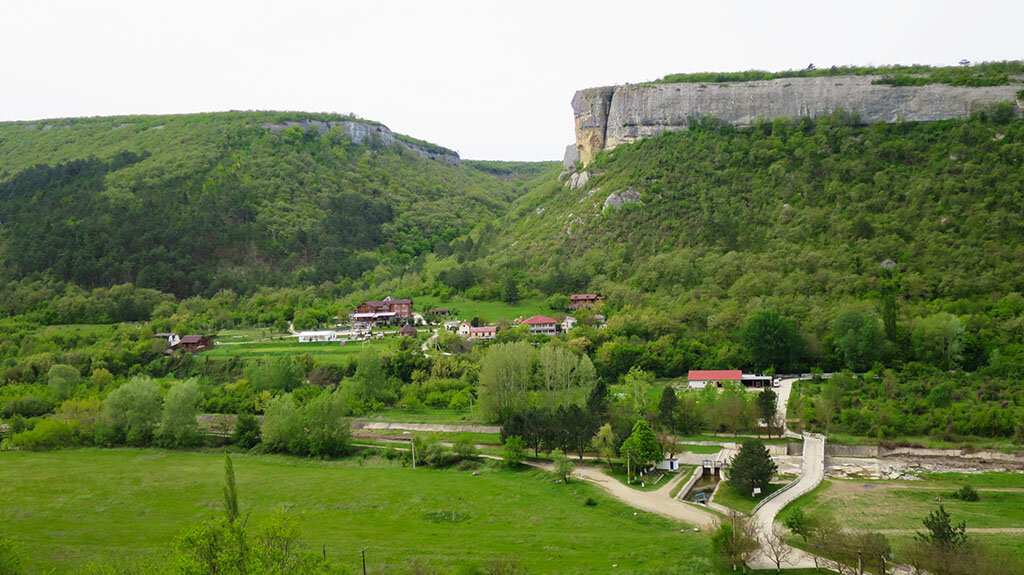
(407, 331)
(193, 343)
(402, 308)
(584, 300)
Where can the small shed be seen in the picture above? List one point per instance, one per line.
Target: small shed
(407, 331)
(194, 343)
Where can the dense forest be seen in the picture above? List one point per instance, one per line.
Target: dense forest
(193, 204)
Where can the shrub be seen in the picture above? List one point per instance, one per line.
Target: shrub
(131, 413)
(590, 502)
(61, 379)
(178, 426)
(26, 407)
(47, 434)
(967, 493)
(247, 431)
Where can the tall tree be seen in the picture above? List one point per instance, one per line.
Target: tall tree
(773, 341)
(641, 448)
(505, 372)
(859, 339)
(752, 467)
(667, 407)
(767, 406)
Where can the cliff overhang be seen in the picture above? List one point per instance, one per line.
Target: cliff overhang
(608, 116)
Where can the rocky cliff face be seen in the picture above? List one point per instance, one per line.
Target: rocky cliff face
(609, 116)
(360, 132)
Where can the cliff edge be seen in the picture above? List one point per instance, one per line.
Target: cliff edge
(608, 116)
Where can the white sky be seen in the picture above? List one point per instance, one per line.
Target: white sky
(491, 80)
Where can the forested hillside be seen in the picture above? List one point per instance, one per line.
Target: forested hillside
(194, 204)
(796, 217)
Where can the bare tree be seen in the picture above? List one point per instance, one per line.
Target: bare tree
(774, 548)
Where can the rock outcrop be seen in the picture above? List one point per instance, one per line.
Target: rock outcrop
(609, 116)
(362, 132)
(616, 200)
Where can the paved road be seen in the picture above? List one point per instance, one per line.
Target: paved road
(811, 475)
(784, 389)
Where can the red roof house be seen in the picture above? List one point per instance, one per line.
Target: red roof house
(699, 378)
(541, 324)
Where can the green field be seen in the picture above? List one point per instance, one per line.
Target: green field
(129, 505)
(743, 502)
(902, 505)
(490, 311)
(325, 353)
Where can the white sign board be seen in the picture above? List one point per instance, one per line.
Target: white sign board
(757, 491)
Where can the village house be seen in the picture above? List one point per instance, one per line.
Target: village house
(407, 331)
(699, 379)
(568, 323)
(579, 301)
(486, 332)
(600, 321)
(172, 339)
(312, 336)
(195, 343)
(385, 310)
(464, 329)
(543, 325)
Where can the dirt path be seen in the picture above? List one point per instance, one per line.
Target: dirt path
(435, 427)
(969, 530)
(657, 501)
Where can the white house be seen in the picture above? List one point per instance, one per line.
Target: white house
(569, 323)
(465, 328)
(172, 339)
(311, 336)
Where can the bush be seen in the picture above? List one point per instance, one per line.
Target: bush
(47, 434)
(130, 413)
(26, 407)
(178, 426)
(247, 431)
(590, 502)
(967, 493)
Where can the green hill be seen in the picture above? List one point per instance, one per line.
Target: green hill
(196, 203)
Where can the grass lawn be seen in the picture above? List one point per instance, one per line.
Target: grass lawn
(129, 505)
(743, 501)
(703, 449)
(327, 353)
(904, 504)
(247, 334)
(724, 438)
(477, 438)
(490, 311)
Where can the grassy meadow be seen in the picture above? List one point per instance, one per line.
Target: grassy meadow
(325, 353)
(898, 507)
(68, 508)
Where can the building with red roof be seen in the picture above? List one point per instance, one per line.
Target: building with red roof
(700, 378)
(542, 324)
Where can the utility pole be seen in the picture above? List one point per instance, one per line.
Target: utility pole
(860, 563)
(883, 563)
(412, 442)
(363, 552)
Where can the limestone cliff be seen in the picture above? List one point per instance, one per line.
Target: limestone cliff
(360, 132)
(609, 116)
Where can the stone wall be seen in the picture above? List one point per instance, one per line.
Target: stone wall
(609, 116)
